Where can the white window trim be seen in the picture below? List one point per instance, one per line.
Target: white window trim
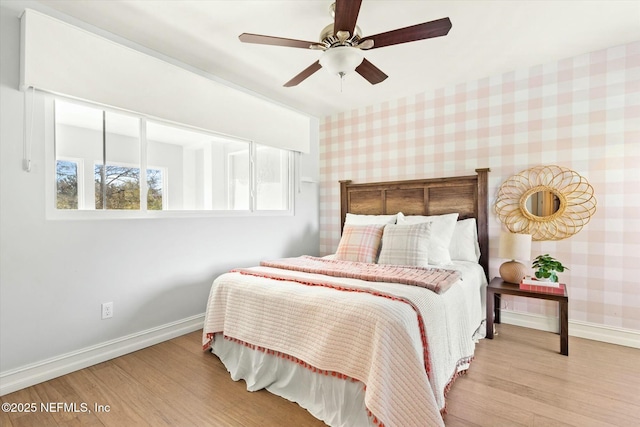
(53, 213)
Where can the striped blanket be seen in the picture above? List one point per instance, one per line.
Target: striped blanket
(435, 279)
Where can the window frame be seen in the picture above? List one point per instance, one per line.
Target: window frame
(52, 212)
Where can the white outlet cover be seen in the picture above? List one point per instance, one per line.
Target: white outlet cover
(107, 310)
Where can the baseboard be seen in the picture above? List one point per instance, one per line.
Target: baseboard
(592, 331)
(36, 373)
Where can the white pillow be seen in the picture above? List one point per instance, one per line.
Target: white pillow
(464, 242)
(405, 244)
(441, 233)
(355, 219)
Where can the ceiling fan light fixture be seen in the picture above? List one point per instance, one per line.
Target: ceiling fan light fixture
(341, 60)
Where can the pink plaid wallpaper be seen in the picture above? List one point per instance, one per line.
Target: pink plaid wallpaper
(582, 113)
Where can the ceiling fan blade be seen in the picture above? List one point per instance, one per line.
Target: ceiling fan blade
(370, 72)
(365, 45)
(304, 74)
(275, 41)
(346, 15)
(426, 30)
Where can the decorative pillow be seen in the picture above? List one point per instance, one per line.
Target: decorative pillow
(360, 243)
(354, 219)
(441, 233)
(405, 244)
(464, 242)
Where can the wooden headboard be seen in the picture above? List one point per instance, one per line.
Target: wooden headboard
(466, 195)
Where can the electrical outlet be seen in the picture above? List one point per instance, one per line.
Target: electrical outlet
(107, 310)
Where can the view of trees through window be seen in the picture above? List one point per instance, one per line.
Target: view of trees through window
(119, 190)
(67, 184)
(154, 192)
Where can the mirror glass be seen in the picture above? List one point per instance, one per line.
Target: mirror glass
(543, 203)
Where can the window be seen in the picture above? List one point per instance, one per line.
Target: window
(103, 156)
(119, 188)
(203, 171)
(66, 184)
(272, 178)
(155, 184)
(100, 138)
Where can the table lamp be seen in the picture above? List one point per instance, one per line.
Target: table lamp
(514, 247)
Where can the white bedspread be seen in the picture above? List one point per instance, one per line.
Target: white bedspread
(372, 339)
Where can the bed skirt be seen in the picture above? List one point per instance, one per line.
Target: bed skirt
(337, 402)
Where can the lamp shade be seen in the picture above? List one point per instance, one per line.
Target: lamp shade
(515, 246)
(341, 60)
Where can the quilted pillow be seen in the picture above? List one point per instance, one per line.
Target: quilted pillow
(441, 233)
(406, 245)
(360, 243)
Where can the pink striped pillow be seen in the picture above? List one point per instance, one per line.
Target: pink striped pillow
(360, 243)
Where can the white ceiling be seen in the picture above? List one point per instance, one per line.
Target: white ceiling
(487, 39)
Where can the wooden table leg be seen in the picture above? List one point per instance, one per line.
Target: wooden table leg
(564, 328)
(490, 313)
(496, 305)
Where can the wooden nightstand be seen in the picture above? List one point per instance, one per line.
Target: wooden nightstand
(498, 287)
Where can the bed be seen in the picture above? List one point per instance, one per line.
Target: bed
(376, 333)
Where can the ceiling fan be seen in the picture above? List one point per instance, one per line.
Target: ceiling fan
(342, 43)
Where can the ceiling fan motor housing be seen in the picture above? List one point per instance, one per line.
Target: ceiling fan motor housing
(330, 39)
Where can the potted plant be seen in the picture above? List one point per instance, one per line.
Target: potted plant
(547, 267)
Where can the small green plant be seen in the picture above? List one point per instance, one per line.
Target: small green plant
(548, 267)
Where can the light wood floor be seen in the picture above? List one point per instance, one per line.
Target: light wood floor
(517, 379)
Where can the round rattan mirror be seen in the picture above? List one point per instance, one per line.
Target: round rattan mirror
(548, 202)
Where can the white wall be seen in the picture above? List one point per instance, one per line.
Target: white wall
(54, 274)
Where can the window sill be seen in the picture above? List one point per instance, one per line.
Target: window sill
(80, 215)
